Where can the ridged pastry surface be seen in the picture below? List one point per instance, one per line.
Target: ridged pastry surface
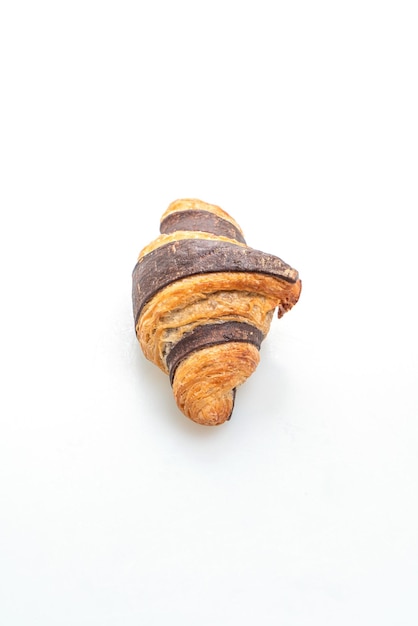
(203, 303)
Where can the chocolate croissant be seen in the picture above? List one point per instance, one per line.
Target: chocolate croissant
(203, 302)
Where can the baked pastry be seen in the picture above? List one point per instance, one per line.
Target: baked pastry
(203, 302)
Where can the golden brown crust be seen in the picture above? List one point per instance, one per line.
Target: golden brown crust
(180, 235)
(223, 296)
(204, 383)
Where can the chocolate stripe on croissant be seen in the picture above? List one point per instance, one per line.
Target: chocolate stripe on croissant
(200, 220)
(188, 257)
(209, 335)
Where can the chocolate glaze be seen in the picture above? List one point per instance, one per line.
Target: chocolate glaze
(188, 257)
(208, 335)
(203, 221)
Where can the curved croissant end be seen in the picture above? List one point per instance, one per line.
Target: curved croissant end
(203, 303)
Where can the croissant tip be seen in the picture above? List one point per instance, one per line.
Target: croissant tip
(211, 415)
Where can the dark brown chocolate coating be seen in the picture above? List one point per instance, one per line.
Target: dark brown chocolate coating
(209, 335)
(203, 221)
(188, 257)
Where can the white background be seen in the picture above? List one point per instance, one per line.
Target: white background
(299, 119)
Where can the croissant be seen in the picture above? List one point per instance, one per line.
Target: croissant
(203, 302)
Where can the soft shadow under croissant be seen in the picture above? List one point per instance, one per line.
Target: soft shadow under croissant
(203, 303)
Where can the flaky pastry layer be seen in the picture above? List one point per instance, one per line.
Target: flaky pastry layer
(204, 298)
(204, 384)
(184, 234)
